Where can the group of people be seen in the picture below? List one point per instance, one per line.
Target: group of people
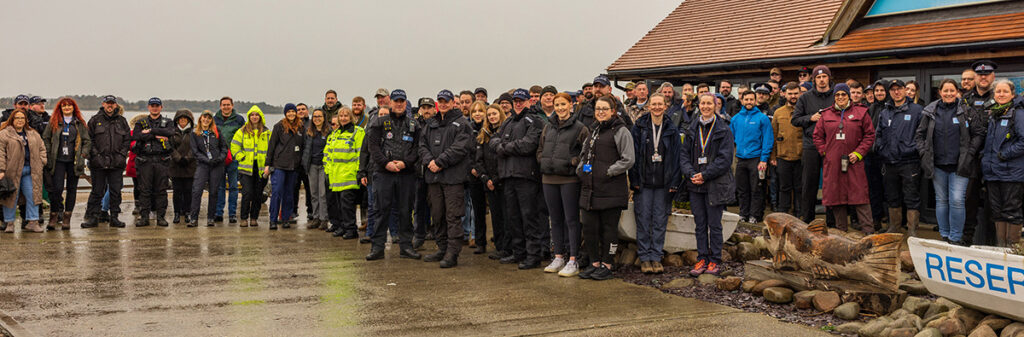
(433, 171)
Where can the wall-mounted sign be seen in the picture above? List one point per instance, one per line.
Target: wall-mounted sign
(891, 7)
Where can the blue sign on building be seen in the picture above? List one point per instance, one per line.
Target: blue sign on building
(890, 7)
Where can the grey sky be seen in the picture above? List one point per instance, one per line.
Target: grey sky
(290, 51)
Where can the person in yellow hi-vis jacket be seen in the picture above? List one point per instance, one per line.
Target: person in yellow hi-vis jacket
(249, 149)
(341, 162)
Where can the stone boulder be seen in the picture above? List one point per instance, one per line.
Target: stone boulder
(849, 328)
(690, 257)
(741, 237)
(1015, 329)
(706, 279)
(969, 317)
(914, 287)
(995, 322)
(929, 332)
(935, 308)
(826, 301)
(873, 328)
(778, 295)
(748, 285)
(983, 331)
(745, 251)
(902, 332)
(683, 282)
(906, 262)
(760, 287)
(916, 305)
(848, 311)
(729, 283)
(626, 256)
(804, 299)
(948, 326)
(672, 260)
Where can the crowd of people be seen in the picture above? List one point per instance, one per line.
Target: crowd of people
(436, 169)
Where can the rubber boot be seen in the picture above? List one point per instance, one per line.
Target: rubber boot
(1001, 233)
(895, 218)
(913, 219)
(1013, 234)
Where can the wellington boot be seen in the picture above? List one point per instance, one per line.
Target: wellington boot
(895, 218)
(1013, 234)
(1001, 229)
(913, 219)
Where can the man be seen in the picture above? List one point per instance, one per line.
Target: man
(902, 164)
(108, 156)
(762, 94)
(20, 102)
(383, 98)
(732, 105)
(228, 122)
(444, 148)
(331, 105)
(703, 88)
(358, 112)
(466, 99)
(752, 132)
(856, 92)
(38, 117)
(516, 144)
(806, 114)
(588, 91)
(872, 161)
(967, 81)
(675, 106)
(302, 179)
(602, 87)
(505, 101)
(152, 153)
(687, 88)
(639, 105)
(787, 151)
(630, 93)
(366, 174)
(480, 94)
(547, 101)
(977, 102)
(427, 108)
(392, 143)
(535, 94)
(803, 75)
(775, 74)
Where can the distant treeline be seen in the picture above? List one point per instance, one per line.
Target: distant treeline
(89, 103)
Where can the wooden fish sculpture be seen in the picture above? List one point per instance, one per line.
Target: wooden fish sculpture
(795, 245)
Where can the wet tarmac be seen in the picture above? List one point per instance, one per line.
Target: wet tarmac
(232, 281)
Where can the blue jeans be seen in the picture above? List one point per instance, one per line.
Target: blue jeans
(652, 207)
(467, 219)
(105, 204)
(371, 213)
(950, 199)
(231, 172)
(26, 191)
(282, 184)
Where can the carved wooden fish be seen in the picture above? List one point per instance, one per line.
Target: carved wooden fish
(874, 258)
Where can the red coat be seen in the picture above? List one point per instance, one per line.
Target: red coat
(838, 188)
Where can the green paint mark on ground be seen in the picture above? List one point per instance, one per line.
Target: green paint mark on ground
(341, 306)
(249, 302)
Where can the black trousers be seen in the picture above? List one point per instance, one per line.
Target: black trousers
(812, 173)
(601, 233)
(342, 210)
(789, 173)
(393, 191)
(153, 181)
(422, 209)
(496, 202)
(447, 207)
(748, 184)
(103, 180)
(252, 195)
(876, 186)
(974, 202)
(476, 193)
(904, 185)
(182, 195)
(63, 177)
(522, 200)
(1006, 200)
(303, 179)
(214, 175)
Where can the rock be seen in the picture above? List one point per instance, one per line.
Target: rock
(727, 273)
(916, 305)
(948, 326)
(626, 256)
(706, 279)
(672, 260)
(826, 301)
(778, 295)
(969, 317)
(726, 256)
(683, 282)
(908, 321)
(983, 331)
(898, 313)
(804, 299)
(729, 283)
(636, 261)
(748, 285)
(904, 277)
(849, 328)
(914, 287)
(746, 251)
(741, 237)
(1013, 330)
(906, 262)
(935, 308)
(690, 257)
(929, 332)
(995, 322)
(949, 304)
(760, 287)
(761, 243)
(903, 332)
(874, 327)
(848, 311)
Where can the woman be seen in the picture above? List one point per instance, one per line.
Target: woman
(655, 178)
(476, 208)
(606, 156)
(706, 160)
(1002, 162)
(67, 140)
(341, 162)
(283, 154)
(209, 153)
(948, 145)
(22, 155)
(558, 154)
(487, 170)
(249, 148)
(185, 164)
(842, 137)
(913, 94)
(313, 161)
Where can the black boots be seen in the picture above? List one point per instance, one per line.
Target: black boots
(409, 253)
(115, 222)
(375, 254)
(436, 256)
(450, 260)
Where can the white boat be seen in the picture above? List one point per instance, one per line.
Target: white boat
(680, 232)
(985, 278)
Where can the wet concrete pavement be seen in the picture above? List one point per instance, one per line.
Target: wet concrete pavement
(231, 281)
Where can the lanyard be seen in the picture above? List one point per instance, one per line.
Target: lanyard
(705, 139)
(593, 139)
(657, 134)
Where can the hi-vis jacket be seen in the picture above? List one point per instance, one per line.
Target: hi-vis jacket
(341, 157)
(250, 149)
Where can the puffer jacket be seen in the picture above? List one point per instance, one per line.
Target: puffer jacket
(111, 140)
(487, 159)
(606, 158)
(249, 150)
(284, 151)
(972, 136)
(645, 172)
(516, 144)
(83, 144)
(447, 140)
(181, 157)
(895, 132)
(1002, 158)
(559, 149)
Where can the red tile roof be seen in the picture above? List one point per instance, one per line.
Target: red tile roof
(989, 28)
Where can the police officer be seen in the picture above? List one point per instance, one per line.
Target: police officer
(445, 150)
(152, 152)
(977, 104)
(108, 156)
(392, 145)
(516, 145)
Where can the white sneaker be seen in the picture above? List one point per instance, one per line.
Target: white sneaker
(570, 270)
(555, 265)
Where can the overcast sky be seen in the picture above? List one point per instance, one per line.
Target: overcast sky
(290, 51)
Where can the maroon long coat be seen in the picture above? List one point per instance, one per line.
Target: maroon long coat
(838, 188)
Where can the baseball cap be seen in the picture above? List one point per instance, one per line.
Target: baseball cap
(984, 67)
(109, 99)
(396, 94)
(630, 86)
(896, 83)
(479, 90)
(382, 92)
(426, 101)
(803, 70)
(155, 100)
(587, 85)
(445, 95)
(521, 94)
(36, 99)
(21, 98)
(603, 80)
